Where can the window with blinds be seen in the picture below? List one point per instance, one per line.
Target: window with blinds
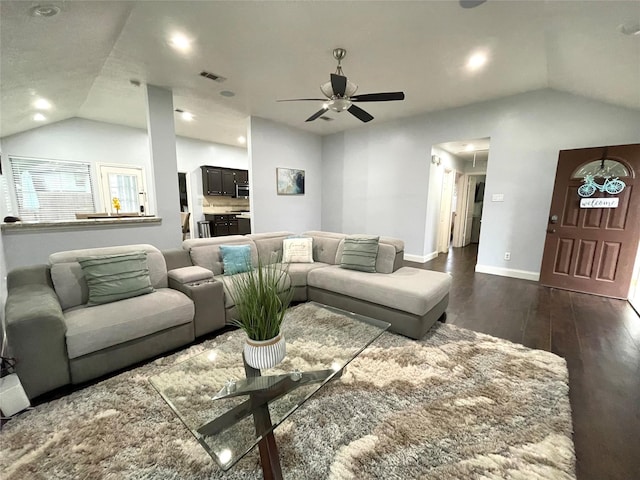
(50, 190)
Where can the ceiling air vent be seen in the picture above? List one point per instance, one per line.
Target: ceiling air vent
(326, 119)
(212, 76)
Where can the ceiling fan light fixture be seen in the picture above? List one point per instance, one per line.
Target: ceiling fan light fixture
(46, 10)
(327, 90)
(339, 104)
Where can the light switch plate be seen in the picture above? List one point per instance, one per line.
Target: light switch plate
(497, 197)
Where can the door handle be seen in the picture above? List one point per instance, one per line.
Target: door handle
(551, 230)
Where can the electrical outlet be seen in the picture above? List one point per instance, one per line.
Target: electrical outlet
(507, 255)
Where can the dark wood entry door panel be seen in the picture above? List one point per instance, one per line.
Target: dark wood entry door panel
(592, 250)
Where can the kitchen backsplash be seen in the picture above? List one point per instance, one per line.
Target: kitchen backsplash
(223, 204)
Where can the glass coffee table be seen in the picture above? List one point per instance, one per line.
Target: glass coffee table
(231, 407)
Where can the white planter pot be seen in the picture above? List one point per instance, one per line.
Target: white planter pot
(266, 353)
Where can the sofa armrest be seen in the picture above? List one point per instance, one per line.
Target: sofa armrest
(36, 337)
(176, 258)
(207, 295)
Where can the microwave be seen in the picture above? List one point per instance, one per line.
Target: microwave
(242, 191)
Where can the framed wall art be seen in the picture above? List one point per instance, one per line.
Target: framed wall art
(290, 181)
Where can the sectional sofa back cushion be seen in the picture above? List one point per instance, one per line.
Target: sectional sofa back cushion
(388, 251)
(115, 277)
(269, 245)
(205, 252)
(325, 246)
(71, 285)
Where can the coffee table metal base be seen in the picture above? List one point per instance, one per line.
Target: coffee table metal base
(258, 405)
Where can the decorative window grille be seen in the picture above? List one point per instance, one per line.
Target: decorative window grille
(601, 169)
(51, 190)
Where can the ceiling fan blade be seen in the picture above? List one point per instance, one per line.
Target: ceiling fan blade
(338, 84)
(303, 100)
(316, 115)
(378, 97)
(359, 113)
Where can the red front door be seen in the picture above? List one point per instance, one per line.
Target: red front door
(593, 250)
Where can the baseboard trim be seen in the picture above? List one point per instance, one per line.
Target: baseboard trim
(420, 258)
(508, 272)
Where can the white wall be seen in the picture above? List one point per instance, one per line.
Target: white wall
(526, 132)
(273, 145)
(98, 142)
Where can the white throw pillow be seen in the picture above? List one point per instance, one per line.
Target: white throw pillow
(297, 250)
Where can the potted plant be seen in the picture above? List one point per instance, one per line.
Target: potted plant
(261, 296)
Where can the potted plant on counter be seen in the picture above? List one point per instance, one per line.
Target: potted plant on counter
(262, 296)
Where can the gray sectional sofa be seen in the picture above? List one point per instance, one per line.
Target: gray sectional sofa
(410, 299)
(58, 339)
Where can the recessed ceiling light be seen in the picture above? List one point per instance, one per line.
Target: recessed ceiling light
(186, 116)
(631, 29)
(180, 42)
(38, 117)
(227, 93)
(469, 147)
(47, 10)
(242, 139)
(476, 61)
(42, 104)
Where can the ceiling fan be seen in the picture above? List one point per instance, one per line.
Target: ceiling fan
(340, 94)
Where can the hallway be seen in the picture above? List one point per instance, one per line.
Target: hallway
(599, 337)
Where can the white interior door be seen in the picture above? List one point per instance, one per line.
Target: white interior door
(127, 185)
(468, 219)
(444, 228)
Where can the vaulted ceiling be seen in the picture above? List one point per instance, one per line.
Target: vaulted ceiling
(83, 59)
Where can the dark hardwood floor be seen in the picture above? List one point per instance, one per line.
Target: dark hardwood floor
(599, 337)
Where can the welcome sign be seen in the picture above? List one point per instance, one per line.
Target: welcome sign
(599, 202)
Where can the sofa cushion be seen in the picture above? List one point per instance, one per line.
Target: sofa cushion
(90, 329)
(407, 289)
(325, 246)
(205, 252)
(297, 250)
(385, 261)
(269, 245)
(235, 258)
(69, 281)
(190, 274)
(299, 271)
(359, 252)
(115, 277)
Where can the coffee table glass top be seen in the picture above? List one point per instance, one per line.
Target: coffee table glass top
(208, 391)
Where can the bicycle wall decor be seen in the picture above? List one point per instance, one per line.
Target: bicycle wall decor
(611, 186)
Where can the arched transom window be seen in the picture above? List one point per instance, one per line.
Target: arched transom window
(601, 169)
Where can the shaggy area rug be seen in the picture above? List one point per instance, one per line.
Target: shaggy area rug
(454, 405)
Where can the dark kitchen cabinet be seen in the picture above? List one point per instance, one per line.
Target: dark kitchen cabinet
(228, 183)
(244, 226)
(222, 225)
(242, 177)
(211, 180)
(222, 181)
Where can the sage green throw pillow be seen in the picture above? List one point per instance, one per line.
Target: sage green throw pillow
(360, 253)
(115, 277)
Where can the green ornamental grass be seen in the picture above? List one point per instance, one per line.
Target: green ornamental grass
(262, 296)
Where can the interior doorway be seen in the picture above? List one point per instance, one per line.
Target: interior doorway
(184, 191)
(463, 166)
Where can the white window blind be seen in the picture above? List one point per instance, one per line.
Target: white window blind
(50, 190)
